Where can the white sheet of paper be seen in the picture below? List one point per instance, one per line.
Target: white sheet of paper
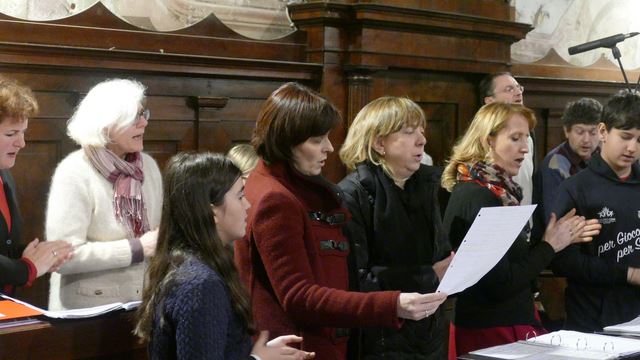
(79, 313)
(488, 239)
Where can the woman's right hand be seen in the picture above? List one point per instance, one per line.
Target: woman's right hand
(414, 306)
(148, 241)
(277, 349)
(47, 256)
(562, 233)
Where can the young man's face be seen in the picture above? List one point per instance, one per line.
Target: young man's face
(620, 148)
(583, 139)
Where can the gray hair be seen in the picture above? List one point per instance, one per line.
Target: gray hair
(110, 105)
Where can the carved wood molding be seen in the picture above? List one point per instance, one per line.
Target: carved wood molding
(216, 102)
(554, 66)
(365, 35)
(429, 21)
(34, 55)
(359, 95)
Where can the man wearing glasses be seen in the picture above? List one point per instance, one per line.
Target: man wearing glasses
(503, 87)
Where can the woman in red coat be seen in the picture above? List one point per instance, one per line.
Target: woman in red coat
(293, 258)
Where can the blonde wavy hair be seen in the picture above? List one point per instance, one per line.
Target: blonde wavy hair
(378, 118)
(244, 157)
(474, 145)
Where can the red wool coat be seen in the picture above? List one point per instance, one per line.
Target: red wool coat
(295, 266)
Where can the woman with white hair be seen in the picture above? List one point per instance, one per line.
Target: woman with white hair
(105, 199)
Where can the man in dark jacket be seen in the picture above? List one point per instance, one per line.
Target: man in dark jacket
(604, 275)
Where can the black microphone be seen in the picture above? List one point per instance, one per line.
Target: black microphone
(607, 42)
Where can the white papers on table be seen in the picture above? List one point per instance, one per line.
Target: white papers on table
(92, 311)
(591, 342)
(565, 345)
(629, 328)
(490, 236)
(531, 351)
(80, 313)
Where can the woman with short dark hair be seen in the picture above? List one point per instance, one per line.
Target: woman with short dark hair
(294, 255)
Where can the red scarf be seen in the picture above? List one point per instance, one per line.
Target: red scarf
(127, 178)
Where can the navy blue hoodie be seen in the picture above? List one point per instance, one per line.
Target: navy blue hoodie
(598, 294)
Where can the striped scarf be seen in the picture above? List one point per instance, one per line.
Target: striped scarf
(127, 178)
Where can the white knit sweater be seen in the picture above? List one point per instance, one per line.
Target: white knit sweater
(80, 210)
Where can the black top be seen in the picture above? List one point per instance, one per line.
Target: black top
(598, 294)
(397, 236)
(12, 270)
(503, 297)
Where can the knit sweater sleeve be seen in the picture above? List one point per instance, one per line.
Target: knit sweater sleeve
(202, 314)
(79, 211)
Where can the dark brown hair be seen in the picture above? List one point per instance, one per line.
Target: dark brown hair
(487, 87)
(16, 101)
(622, 111)
(292, 114)
(584, 111)
(192, 183)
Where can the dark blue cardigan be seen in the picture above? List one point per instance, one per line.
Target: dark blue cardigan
(196, 320)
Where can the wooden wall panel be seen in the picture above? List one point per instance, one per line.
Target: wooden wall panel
(448, 99)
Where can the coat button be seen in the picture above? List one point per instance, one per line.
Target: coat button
(9, 241)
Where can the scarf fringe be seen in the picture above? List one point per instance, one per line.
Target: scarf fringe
(127, 178)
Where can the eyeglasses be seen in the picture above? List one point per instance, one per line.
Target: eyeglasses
(145, 113)
(511, 89)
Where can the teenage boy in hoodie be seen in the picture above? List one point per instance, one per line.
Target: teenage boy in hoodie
(604, 275)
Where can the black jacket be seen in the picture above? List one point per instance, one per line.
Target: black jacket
(598, 294)
(12, 270)
(503, 297)
(396, 236)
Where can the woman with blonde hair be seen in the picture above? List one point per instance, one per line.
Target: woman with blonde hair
(244, 157)
(293, 257)
(499, 308)
(396, 229)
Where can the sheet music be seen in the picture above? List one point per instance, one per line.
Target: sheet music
(490, 236)
(524, 350)
(531, 351)
(79, 313)
(590, 342)
(516, 350)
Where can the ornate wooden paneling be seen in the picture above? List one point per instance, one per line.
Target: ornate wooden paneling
(447, 100)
